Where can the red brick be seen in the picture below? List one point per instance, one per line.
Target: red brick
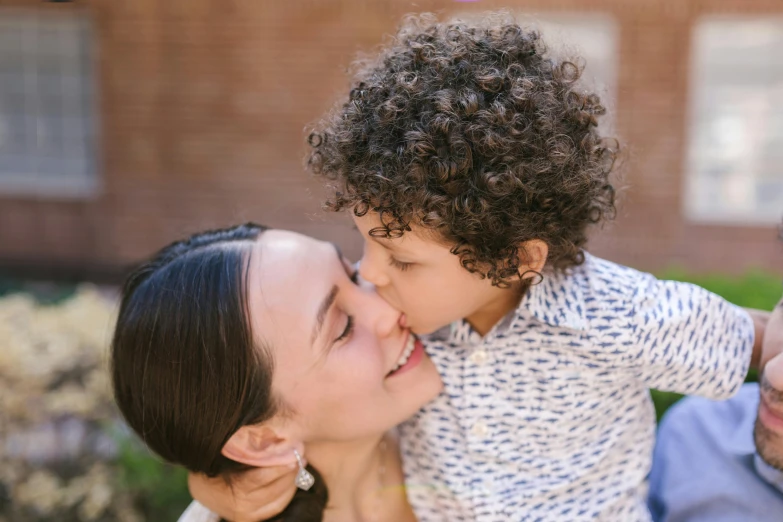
(204, 105)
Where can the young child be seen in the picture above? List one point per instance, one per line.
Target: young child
(472, 164)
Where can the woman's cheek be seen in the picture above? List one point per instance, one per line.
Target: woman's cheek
(367, 360)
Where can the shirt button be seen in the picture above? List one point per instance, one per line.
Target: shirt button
(478, 357)
(480, 429)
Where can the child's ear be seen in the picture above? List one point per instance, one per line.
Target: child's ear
(532, 255)
(260, 446)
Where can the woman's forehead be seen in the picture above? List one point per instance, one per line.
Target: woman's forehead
(288, 267)
(284, 255)
(289, 276)
(285, 242)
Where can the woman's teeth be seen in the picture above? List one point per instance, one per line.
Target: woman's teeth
(406, 353)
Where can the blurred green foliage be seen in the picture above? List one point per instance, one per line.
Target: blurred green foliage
(44, 292)
(161, 487)
(755, 289)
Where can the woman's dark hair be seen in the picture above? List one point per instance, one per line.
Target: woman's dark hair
(187, 373)
(474, 131)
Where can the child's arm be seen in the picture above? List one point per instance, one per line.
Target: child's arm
(759, 359)
(257, 494)
(687, 340)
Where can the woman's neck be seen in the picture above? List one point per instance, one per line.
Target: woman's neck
(364, 478)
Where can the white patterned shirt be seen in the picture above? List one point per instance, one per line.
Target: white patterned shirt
(548, 417)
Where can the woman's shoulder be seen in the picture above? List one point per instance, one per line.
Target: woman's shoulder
(198, 513)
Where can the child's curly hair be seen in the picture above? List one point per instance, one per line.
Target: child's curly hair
(474, 132)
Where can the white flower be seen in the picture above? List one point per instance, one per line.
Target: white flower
(41, 491)
(54, 392)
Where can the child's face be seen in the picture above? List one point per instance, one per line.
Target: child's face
(421, 277)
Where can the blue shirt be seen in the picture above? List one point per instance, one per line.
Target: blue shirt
(705, 466)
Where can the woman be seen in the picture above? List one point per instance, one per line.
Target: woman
(249, 347)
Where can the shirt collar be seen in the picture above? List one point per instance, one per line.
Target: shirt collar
(741, 444)
(558, 300)
(773, 476)
(739, 439)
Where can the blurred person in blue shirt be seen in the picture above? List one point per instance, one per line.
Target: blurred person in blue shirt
(723, 461)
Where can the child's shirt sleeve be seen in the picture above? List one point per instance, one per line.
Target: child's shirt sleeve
(687, 340)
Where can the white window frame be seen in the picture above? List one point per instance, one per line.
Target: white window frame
(578, 34)
(711, 149)
(66, 38)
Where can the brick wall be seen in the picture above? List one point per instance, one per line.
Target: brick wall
(204, 105)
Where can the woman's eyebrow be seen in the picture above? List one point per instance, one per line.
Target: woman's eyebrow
(322, 310)
(327, 302)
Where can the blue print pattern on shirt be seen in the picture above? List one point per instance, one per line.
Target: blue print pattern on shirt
(548, 417)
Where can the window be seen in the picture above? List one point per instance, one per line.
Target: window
(590, 36)
(734, 171)
(47, 104)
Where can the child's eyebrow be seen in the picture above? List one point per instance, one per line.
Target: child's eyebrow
(386, 243)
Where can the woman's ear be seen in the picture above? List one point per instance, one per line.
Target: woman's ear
(260, 446)
(533, 255)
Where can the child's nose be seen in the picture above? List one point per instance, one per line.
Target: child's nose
(371, 273)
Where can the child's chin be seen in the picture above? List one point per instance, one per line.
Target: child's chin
(423, 330)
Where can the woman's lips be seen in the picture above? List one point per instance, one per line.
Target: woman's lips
(414, 359)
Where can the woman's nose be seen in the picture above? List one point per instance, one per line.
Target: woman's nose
(387, 320)
(383, 318)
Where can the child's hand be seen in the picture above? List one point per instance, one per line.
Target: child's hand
(769, 351)
(761, 353)
(256, 494)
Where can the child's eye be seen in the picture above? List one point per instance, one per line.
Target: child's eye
(355, 277)
(399, 265)
(347, 331)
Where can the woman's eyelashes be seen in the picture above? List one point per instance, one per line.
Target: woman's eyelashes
(353, 275)
(348, 329)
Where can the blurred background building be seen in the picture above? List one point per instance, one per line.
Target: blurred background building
(125, 124)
